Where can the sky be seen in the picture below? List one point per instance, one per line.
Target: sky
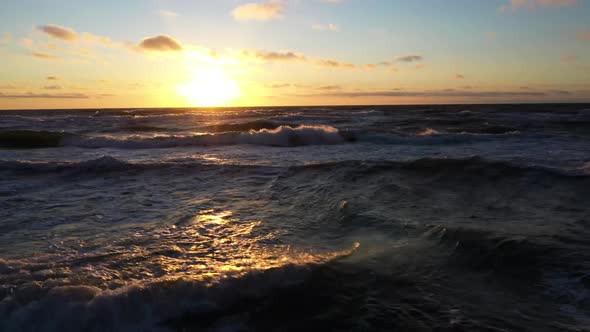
(180, 53)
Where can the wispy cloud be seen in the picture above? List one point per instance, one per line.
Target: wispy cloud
(6, 38)
(409, 58)
(326, 27)
(274, 56)
(295, 57)
(559, 92)
(531, 4)
(542, 3)
(160, 43)
(583, 35)
(279, 85)
(44, 56)
(259, 11)
(167, 14)
(31, 95)
(334, 64)
(329, 87)
(52, 78)
(52, 87)
(569, 58)
(459, 76)
(59, 32)
(438, 93)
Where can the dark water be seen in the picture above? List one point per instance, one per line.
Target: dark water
(419, 218)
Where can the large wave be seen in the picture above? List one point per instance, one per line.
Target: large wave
(282, 136)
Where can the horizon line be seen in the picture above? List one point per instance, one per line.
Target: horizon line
(292, 106)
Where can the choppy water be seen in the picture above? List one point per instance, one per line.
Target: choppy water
(430, 218)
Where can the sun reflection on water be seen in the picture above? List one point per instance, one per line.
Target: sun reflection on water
(218, 244)
(214, 244)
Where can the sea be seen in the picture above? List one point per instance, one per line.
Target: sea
(358, 218)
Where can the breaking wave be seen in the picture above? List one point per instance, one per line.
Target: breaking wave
(282, 136)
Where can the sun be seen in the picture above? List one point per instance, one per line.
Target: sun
(210, 87)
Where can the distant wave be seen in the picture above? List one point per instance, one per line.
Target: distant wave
(428, 132)
(433, 137)
(246, 126)
(465, 166)
(476, 166)
(102, 164)
(282, 136)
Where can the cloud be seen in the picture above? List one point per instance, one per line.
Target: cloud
(326, 27)
(560, 92)
(440, 93)
(259, 11)
(459, 76)
(167, 13)
(305, 86)
(6, 38)
(409, 58)
(332, 1)
(7, 87)
(334, 64)
(44, 56)
(59, 32)
(279, 85)
(272, 56)
(531, 4)
(569, 58)
(31, 95)
(329, 87)
(583, 35)
(295, 57)
(52, 87)
(160, 43)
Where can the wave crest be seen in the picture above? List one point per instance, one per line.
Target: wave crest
(283, 136)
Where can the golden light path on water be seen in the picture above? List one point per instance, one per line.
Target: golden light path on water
(215, 244)
(208, 247)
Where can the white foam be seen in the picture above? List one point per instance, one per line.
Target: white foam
(282, 136)
(428, 132)
(289, 136)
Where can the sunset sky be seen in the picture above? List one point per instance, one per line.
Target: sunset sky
(157, 53)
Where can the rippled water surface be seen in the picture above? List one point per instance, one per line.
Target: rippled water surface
(429, 218)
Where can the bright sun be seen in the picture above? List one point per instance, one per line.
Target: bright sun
(211, 87)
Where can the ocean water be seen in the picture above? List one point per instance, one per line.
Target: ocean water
(388, 218)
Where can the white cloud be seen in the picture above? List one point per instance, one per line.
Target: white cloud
(326, 27)
(167, 13)
(259, 11)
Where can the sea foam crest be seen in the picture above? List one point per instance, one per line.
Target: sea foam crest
(289, 136)
(285, 136)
